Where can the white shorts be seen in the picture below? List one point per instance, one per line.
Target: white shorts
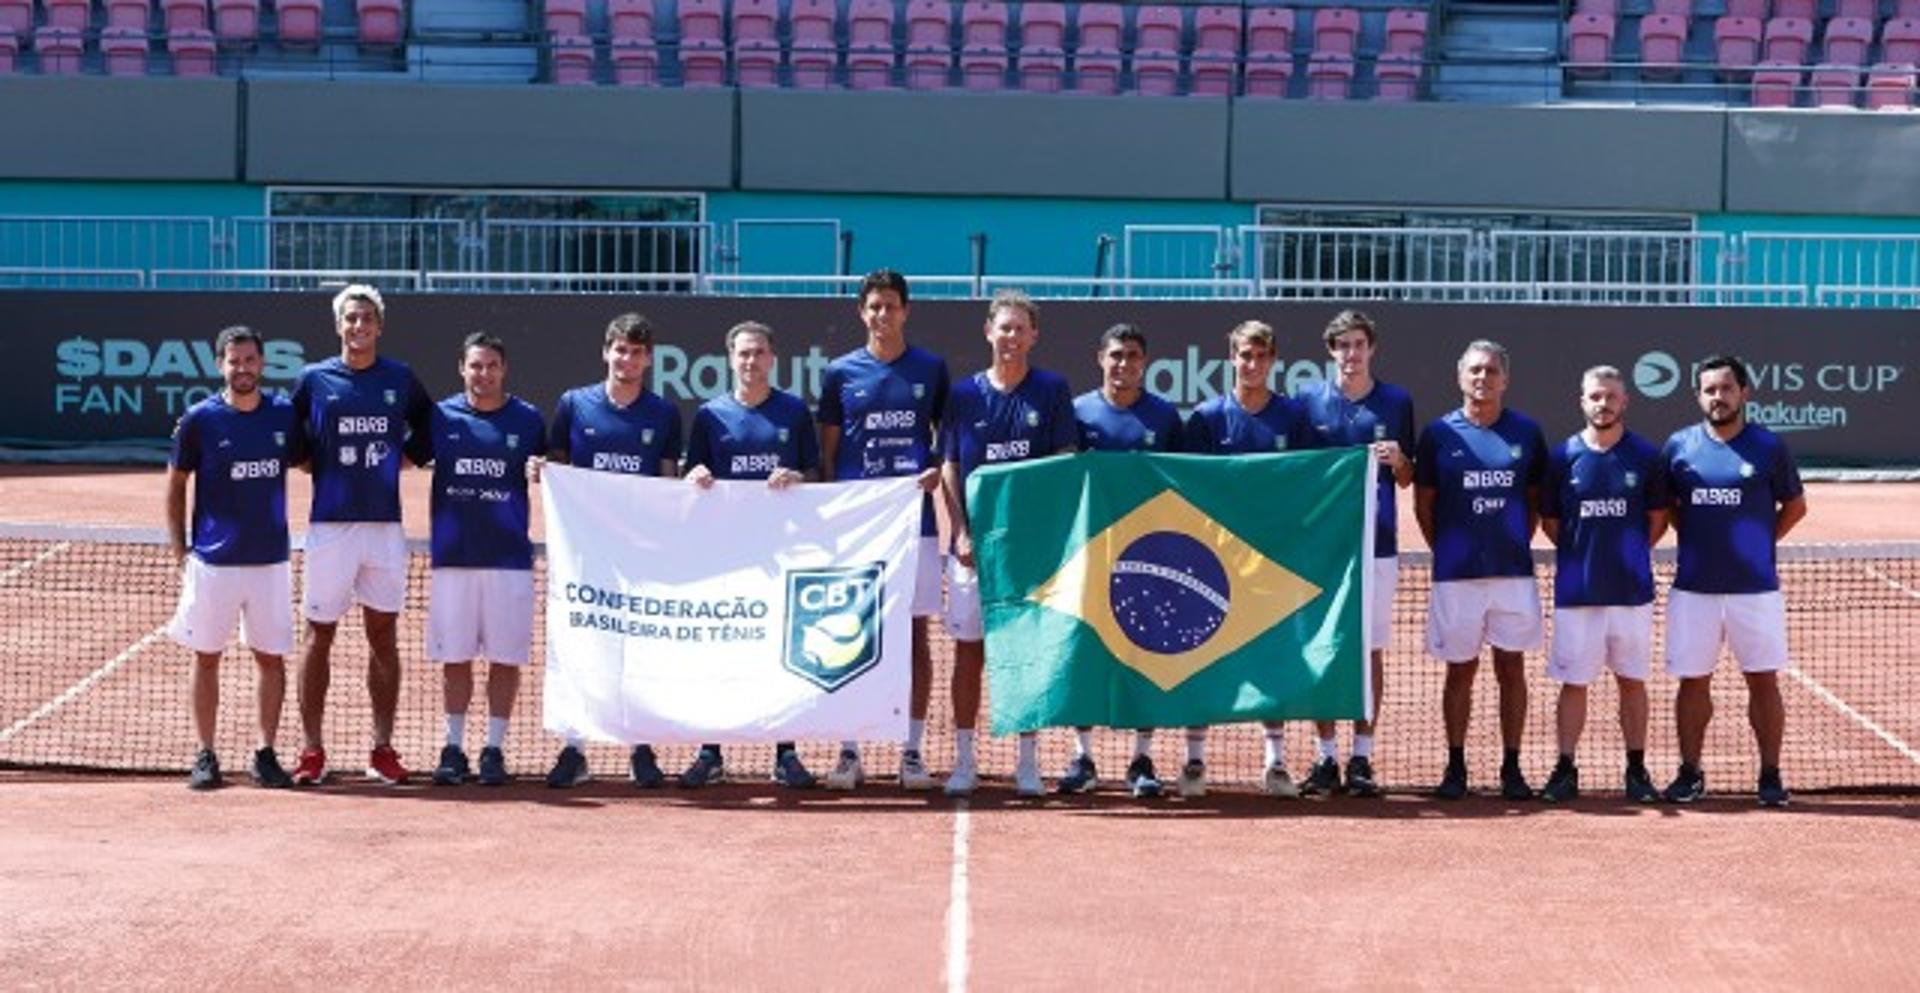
(962, 618)
(212, 597)
(1463, 615)
(1754, 624)
(1585, 638)
(926, 582)
(1386, 582)
(362, 560)
(480, 614)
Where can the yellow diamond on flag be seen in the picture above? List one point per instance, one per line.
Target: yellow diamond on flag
(1170, 591)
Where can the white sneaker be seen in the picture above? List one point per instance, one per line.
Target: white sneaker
(846, 774)
(1279, 784)
(963, 780)
(913, 772)
(1193, 780)
(1026, 780)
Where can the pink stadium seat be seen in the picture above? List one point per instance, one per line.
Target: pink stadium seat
(1335, 30)
(299, 22)
(1736, 44)
(236, 23)
(1774, 83)
(1674, 8)
(572, 55)
(1216, 51)
(125, 50)
(1756, 9)
(58, 50)
(1609, 8)
(9, 53)
(1835, 86)
(756, 20)
(1906, 8)
(630, 19)
(1787, 40)
(185, 15)
(1867, 10)
(1805, 10)
(1589, 44)
(16, 19)
(1096, 57)
(1900, 42)
(703, 52)
(1662, 39)
(756, 42)
(1156, 50)
(1848, 39)
(566, 17)
(128, 14)
(1396, 76)
(983, 44)
(66, 14)
(192, 52)
(1407, 31)
(382, 22)
(870, 53)
(1890, 87)
(1329, 75)
(636, 60)
(1269, 51)
(811, 54)
(929, 56)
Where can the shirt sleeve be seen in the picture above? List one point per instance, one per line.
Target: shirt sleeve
(539, 429)
(1403, 430)
(947, 442)
(1425, 473)
(699, 444)
(1066, 427)
(1785, 474)
(1537, 463)
(560, 432)
(830, 411)
(1550, 482)
(942, 391)
(1198, 437)
(419, 444)
(186, 443)
(671, 448)
(302, 400)
(1303, 435)
(1658, 490)
(808, 442)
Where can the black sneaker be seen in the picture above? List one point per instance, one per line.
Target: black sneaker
(1453, 785)
(267, 772)
(644, 769)
(1513, 784)
(1563, 785)
(1080, 776)
(569, 770)
(206, 771)
(493, 767)
(1773, 793)
(790, 772)
(453, 768)
(1360, 780)
(1640, 788)
(1688, 786)
(707, 768)
(1140, 778)
(1323, 778)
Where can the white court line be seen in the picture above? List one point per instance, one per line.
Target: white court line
(957, 912)
(52, 550)
(1857, 717)
(83, 685)
(1898, 586)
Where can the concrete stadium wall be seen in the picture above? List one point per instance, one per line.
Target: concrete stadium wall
(123, 129)
(1804, 163)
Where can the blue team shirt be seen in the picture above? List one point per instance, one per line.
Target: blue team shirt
(1221, 426)
(885, 412)
(239, 461)
(356, 424)
(598, 435)
(735, 441)
(1725, 503)
(480, 507)
(1480, 477)
(984, 426)
(1601, 500)
(1384, 414)
(1150, 425)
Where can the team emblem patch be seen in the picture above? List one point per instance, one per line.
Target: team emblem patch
(513, 441)
(784, 435)
(919, 391)
(1033, 418)
(833, 623)
(349, 455)
(1379, 432)
(393, 397)
(646, 436)
(280, 439)
(1513, 450)
(1152, 439)
(1280, 443)
(1746, 470)
(1633, 478)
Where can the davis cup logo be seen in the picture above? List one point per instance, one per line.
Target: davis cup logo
(1656, 374)
(833, 623)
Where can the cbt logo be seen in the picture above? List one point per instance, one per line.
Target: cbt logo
(833, 623)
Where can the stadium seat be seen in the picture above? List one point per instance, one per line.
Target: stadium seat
(1835, 85)
(9, 53)
(236, 23)
(1606, 8)
(1906, 8)
(298, 22)
(1756, 9)
(1787, 40)
(929, 54)
(1736, 45)
(1774, 83)
(630, 19)
(1096, 56)
(1156, 50)
(16, 19)
(703, 48)
(125, 50)
(1216, 51)
(1900, 42)
(1407, 31)
(572, 57)
(1866, 10)
(1805, 10)
(192, 52)
(811, 51)
(1890, 87)
(636, 60)
(983, 44)
(1336, 30)
(1673, 8)
(185, 15)
(1589, 44)
(870, 53)
(1847, 41)
(756, 42)
(383, 23)
(1663, 37)
(1269, 51)
(1329, 75)
(57, 50)
(66, 14)
(1396, 76)
(566, 17)
(128, 14)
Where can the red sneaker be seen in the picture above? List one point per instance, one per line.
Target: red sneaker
(384, 766)
(312, 770)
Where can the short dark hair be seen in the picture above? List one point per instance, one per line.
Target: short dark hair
(1713, 362)
(1349, 320)
(1123, 332)
(238, 334)
(483, 339)
(749, 327)
(632, 328)
(884, 279)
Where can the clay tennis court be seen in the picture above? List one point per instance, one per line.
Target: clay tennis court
(129, 880)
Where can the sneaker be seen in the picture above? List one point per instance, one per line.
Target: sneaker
(1278, 783)
(1453, 785)
(1514, 785)
(1080, 777)
(847, 773)
(311, 770)
(1140, 778)
(569, 770)
(384, 766)
(913, 772)
(493, 767)
(452, 770)
(1324, 778)
(206, 771)
(1193, 780)
(708, 768)
(1688, 786)
(1773, 793)
(267, 772)
(642, 769)
(1360, 780)
(1640, 788)
(788, 771)
(1026, 779)
(1563, 785)
(965, 777)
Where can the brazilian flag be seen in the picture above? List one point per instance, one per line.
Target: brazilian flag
(1130, 589)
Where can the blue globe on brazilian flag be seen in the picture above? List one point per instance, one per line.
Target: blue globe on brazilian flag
(1148, 590)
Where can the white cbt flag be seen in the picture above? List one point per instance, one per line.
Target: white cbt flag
(733, 614)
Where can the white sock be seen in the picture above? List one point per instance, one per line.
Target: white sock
(1363, 746)
(850, 746)
(1142, 743)
(1029, 748)
(963, 746)
(1197, 745)
(1082, 742)
(496, 732)
(1329, 748)
(1276, 748)
(916, 733)
(456, 729)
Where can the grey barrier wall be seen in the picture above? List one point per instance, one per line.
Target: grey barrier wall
(79, 368)
(131, 129)
(1809, 163)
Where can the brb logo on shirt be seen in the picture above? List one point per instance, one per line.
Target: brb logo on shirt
(256, 469)
(1007, 451)
(752, 465)
(496, 468)
(833, 623)
(617, 462)
(891, 420)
